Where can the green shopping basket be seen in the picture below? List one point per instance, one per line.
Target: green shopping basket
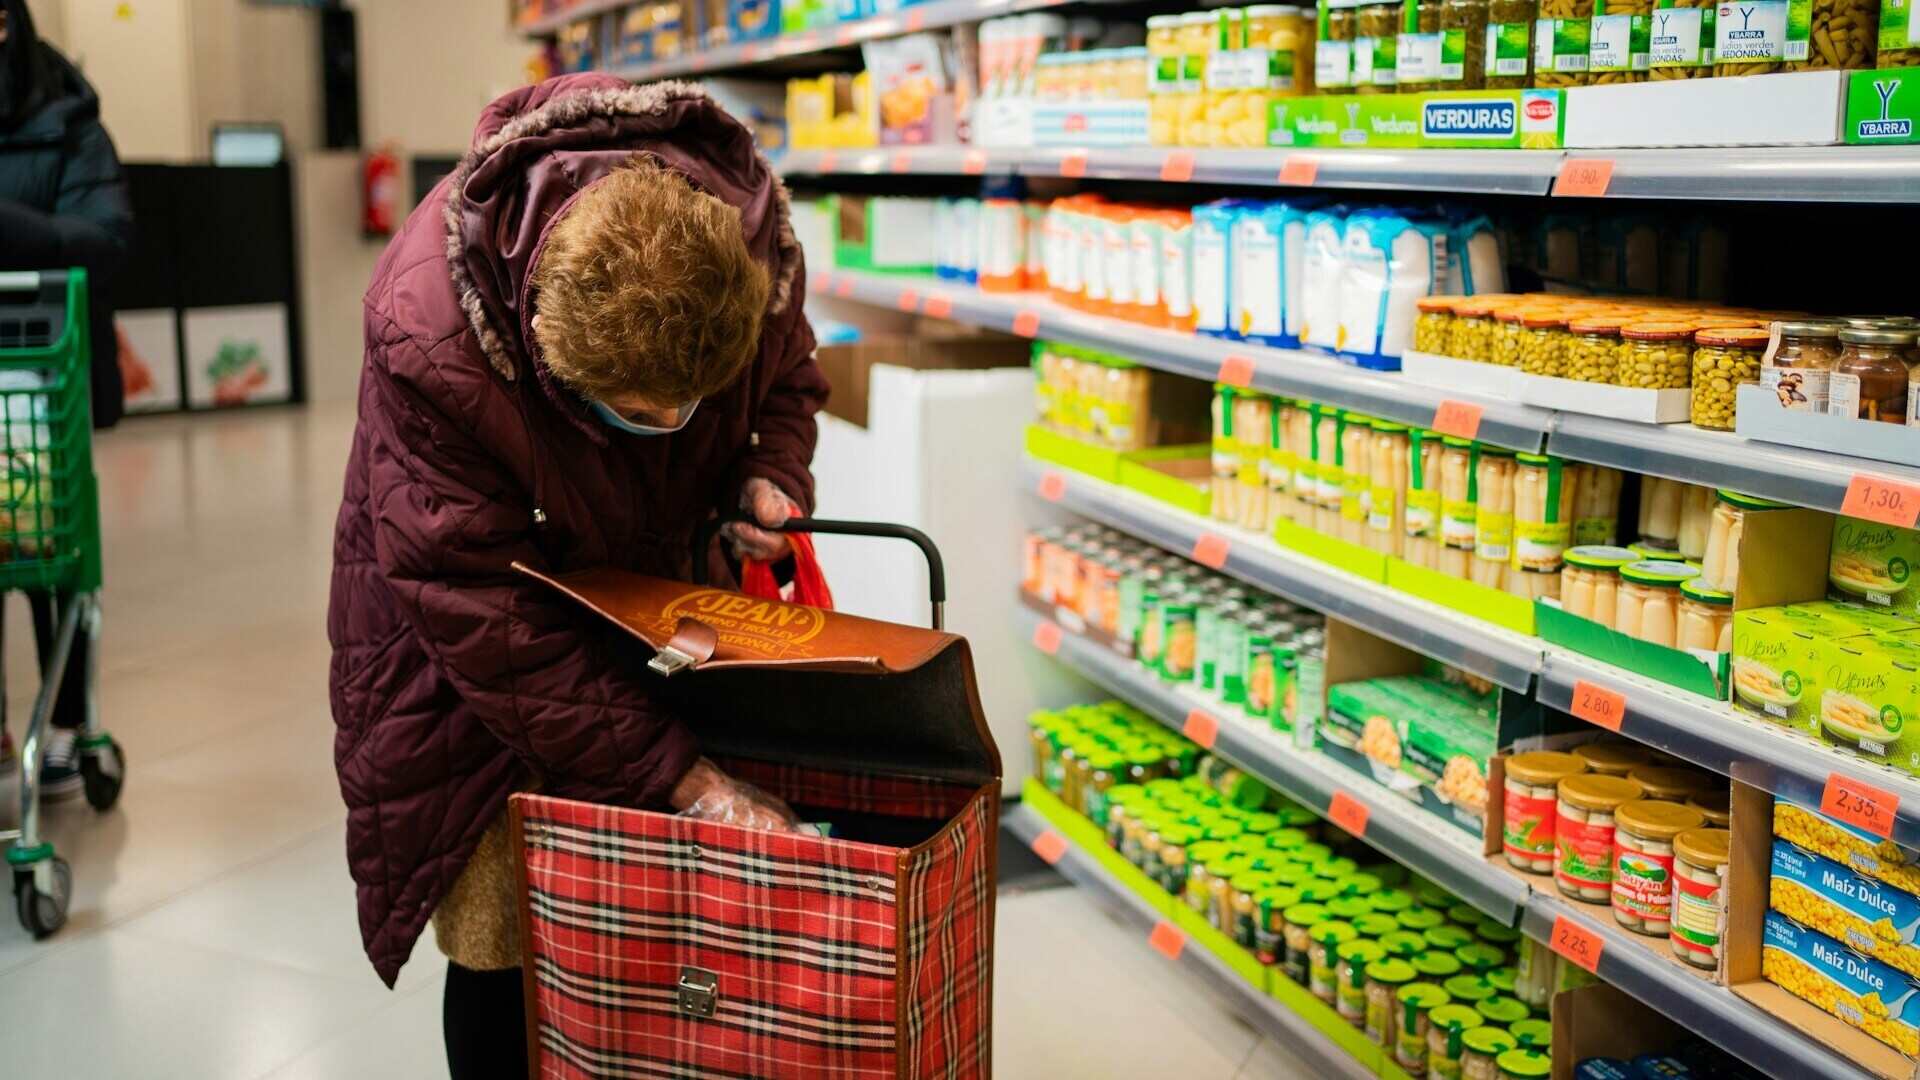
(49, 501)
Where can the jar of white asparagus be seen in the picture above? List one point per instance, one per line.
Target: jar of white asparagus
(1527, 807)
(1699, 907)
(1643, 862)
(1583, 833)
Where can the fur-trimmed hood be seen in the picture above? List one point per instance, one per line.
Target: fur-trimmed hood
(536, 148)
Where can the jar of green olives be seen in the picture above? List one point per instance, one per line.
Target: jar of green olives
(1507, 327)
(1723, 359)
(1471, 335)
(1433, 326)
(1593, 349)
(1658, 355)
(1543, 342)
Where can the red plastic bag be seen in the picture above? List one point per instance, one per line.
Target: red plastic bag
(809, 583)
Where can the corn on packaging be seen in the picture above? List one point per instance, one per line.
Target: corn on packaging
(1860, 851)
(1861, 991)
(1868, 916)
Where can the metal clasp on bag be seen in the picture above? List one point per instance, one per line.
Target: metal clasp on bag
(698, 991)
(669, 661)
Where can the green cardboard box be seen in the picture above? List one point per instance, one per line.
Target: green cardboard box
(1460, 119)
(1883, 105)
(1869, 691)
(1875, 565)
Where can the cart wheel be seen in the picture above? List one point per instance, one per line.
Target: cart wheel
(43, 913)
(103, 771)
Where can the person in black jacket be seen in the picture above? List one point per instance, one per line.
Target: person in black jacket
(63, 203)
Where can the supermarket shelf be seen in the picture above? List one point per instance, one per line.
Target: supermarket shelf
(1493, 172)
(1668, 987)
(1289, 372)
(1715, 736)
(1399, 829)
(896, 160)
(582, 9)
(1850, 174)
(1507, 658)
(1265, 1014)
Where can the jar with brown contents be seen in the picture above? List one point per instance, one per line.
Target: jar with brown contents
(1507, 54)
(1561, 40)
(1417, 52)
(1870, 379)
(1376, 43)
(1799, 369)
(1680, 44)
(1723, 361)
(1618, 41)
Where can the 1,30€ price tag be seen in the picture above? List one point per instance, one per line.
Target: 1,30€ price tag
(1349, 813)
(1026, 324)
(1577, 943)
(1046, 637)
(1201, 727)
(1860, 804)
(1877, 498)
(1300, 170)
(1177, 166)
(1167, 940)
(1598, 705)
(1049, 845)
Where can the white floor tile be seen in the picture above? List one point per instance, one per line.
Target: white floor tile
(399, 1042)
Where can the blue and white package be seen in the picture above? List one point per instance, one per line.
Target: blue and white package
(1605, 1069)
(1388, 262)
(1269, 241)
(1320, 279)
(1292, 227)
(1213, 267)
(1477, 266)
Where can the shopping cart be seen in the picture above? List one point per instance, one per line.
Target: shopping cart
(659, 945)
(50, 543)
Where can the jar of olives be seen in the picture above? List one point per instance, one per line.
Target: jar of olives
(1463, 30)
(1543, 339)
(1434, 323)
(1799, 368)
(1561, 35)
(1658, 355)
(1593, 349)
(1471, 335)
(1508, 53)
(1723, 361)
(1509, 324)
(1870, 378)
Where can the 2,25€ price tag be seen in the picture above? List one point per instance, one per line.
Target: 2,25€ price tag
(1877, 498)
(1577, 943)
(1598, 705)
(1860, 804)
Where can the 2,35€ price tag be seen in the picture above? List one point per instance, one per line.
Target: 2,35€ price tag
(1877, 498)
(1577, 943)
(1860, 804)
(1598, 705)
(1461, 419)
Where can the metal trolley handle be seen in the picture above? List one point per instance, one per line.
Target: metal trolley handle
(936, 569)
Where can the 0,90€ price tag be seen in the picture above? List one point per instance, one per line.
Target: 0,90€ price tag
(1860, 804)
(1584, 177)
(1877, 498)
(1577, 943)
(1599, 706)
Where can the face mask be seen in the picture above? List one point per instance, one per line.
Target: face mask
(620, 423)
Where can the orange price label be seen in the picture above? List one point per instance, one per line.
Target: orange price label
(1177, 167)
(1584, 177)
(1049, 845)
(1201, 727)
(1599, 706)
(902, 161)
(909, 300)
(916, 21)
(1300, 170)
(1074, 164)
(1026, 324)
(822, 281)
(829, 161)
(1210, 550)
(1349, 813)
(749, 53)
(1877, 498)
(1860, 804)
(1053, 487)
(939, 307)
(1577, 943)
(1167, 940)
(1046, 637)
(1236, 371)
(844, 36)
(843, 288)
(974, 162)
(1457, 418)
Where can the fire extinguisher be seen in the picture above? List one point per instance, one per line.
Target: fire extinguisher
(379, 192)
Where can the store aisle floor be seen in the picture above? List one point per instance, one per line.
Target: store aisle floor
(213, 932)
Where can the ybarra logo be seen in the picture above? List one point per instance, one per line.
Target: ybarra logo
(1466, 119)
(1886, 127)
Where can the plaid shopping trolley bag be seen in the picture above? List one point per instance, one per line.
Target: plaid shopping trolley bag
(656, 946)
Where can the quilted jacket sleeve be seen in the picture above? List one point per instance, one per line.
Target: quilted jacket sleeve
(786, 427)
(449, 521)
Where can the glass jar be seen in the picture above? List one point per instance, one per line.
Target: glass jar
(1699, 907)
(1658, 355)
(1596, 505)
(1403, 944)
(1527, 802)
(1716, 804)
(1613, 757)
(1434, 323)
(1543, 498)
(1163, 80)
(1243, 924)
(1720, 567)
(1643, 862)
(1522, 1063)
(1329, 424)
(1307, 925)
(1723, 361)
(1459, 506)
(1696, 520)
(1870, 379)
(1800, 368)
(1583, 831)
(1672, 783)
(1350, 980)
(1376, 42)
(1417, 55)
(1593, 349)
(1104, 770)
(1269, 944)
(1479, 1047)
(1478, 957)
(1463, 30)
(1178, 636)
(1660, 500)
(1493, 517)
(1384, 980)
(1509, 323)
(1298, 438)
(1356, 470)
(1706, 618)
(1680, 45)
(1333, 47)
(1617, 47)
(1196, 46)
(1416, 1004)
(1122, 803)
(1173, 857)
(1590, 581)
(1387, 452)
(1421, 525)
(1534, 974)
(1447, 1028)
(1560, 42)
(1648, 605)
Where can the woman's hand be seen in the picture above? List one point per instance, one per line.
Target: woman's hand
(708, 794)
(769, 506)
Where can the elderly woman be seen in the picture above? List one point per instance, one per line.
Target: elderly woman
(586, 341)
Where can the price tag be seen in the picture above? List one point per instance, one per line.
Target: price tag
(1177, 167)
(937, 306)
(1210, 550)
(916, 20)
(1167, 939)
(1300, 170)
(1046, 637)
(902, 161)
(974, 162)
(749, 53)
(1584, 177)
(844, 36)
(822, 281)
(1049, 845)
(829, 161)
(1599, 706)
(1349, 813)
(1457, 418)
(908, 302)
(1026, 324)
(1053, 487)
(699, 61)
(1877, 498)
(1860, 804)
(1074, 164)
(1236, 371)
(1577, 943)
(1201, 727)
(843, 288)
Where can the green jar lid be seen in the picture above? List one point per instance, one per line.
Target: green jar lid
(1652, 549)
(1291, 873)
(1179, 835)
(1693, 590)
(1748, 502)
(1526, 458)
(1106, 761)
(1480, 956)
(1421, 919)
(1318, 890)
(1487, 450)
(1494, 934)
(1422, 995)
(1286, 838)
(1598, 557)
(1391, 971)
(1313, 852)
(1470, 988)
(1404, 944)
(1488, 1040)
(1375, 925)
(1502, 1009)
(1465, 1017)
(1524, 1064)
(1222, 829)
(1387, 426)
(1658, 572)
(1278, 898)
(1224, 863)
(1435, 964)
(1294, 816)
(1360, 884)
(1246, 792)
(1464, 914)
(1304, 914)
(1330, 932)
(1145, 757)
(1447, 936)
(1361, 951)
(1392, 901)
(1504, 978)
(1348, 907)
(1534, 1034)
(1250, 881)
(1433, 895)
(1162, 787)
(1125, 795)
(1207, 851)
(1262, 824)
(1335, 868)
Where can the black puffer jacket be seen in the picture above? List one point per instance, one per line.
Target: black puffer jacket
(63, 200)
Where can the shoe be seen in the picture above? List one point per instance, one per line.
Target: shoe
(60, 766)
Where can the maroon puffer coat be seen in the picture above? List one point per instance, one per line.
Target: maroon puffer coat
(453, 682)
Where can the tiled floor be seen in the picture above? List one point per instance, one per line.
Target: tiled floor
(213, 930)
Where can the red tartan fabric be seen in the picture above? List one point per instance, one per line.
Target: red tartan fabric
(906, 796)
(947, 956)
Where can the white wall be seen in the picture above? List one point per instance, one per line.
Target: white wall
(427, 68)
(138, 56)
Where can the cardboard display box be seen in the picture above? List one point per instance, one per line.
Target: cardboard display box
(1477, 119)
(1759, 415)
(1601, 1021)
(1800, 108)
(847, 367)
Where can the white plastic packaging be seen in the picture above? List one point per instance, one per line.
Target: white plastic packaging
(1320, 280)
(1212, 281)
(1256, 277)
(1388, 263)
(1477, 266)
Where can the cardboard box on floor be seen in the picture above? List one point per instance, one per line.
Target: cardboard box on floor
(847, 366)
(1601, 1021)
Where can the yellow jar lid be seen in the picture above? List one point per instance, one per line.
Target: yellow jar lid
(1671, 783)
(1704, 846)
(1544, 766)
(1615, 758)
(1716, 804)
(1657, 819)
(1595, 791)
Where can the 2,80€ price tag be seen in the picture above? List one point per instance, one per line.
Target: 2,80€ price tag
(1201, 727)
(1860, 804)
(1598, 706)
(1577, 943)
(1049, 845)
